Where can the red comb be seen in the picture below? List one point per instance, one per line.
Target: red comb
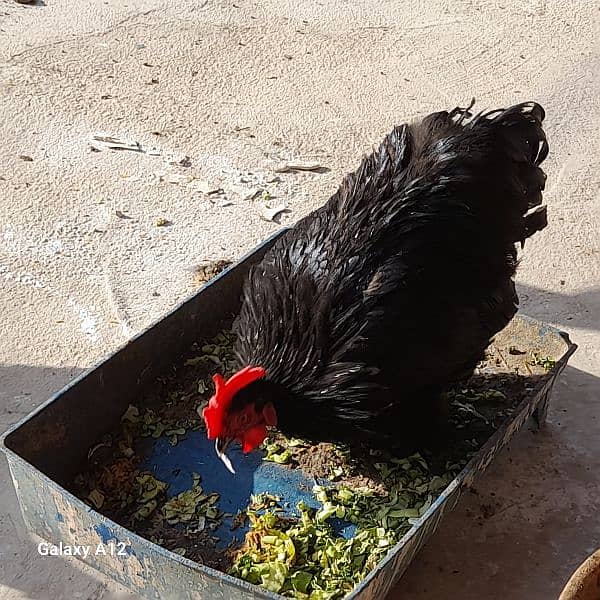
(224, 392)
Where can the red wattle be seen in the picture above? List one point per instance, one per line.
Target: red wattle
(253, 438)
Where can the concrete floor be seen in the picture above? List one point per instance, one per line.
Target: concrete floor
(238, 88)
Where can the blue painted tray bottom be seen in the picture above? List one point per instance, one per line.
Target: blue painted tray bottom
(195, 454)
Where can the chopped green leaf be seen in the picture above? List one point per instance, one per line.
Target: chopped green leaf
(96, 497)
(131, 415)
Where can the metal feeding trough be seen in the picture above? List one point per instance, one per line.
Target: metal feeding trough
(49, 447)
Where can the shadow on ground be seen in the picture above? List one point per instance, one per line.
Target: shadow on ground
(533, 516)
(567, 310)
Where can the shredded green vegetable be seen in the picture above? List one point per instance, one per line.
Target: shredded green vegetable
(277, 453)
(304, 557)
(546, 362)
(191, 503)
(147, 491)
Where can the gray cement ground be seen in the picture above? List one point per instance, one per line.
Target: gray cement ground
(238, 87)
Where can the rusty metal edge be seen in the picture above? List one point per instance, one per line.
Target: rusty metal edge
(211, 574)
(450, 494)
(464, 480)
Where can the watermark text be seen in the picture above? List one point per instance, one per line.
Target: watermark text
(82, 550)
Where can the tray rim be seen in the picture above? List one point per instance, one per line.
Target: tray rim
(497, 440)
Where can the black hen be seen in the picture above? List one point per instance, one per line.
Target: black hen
(373, 305)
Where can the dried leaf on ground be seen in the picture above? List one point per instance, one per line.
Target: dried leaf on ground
(291, 166)
(269, 213)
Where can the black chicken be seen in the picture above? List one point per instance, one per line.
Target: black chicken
(359, 317)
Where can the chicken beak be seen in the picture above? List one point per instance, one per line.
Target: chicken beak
(221, 445)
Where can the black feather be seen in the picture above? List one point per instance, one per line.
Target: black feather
(376, 302)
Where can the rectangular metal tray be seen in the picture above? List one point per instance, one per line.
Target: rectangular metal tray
(47, 448)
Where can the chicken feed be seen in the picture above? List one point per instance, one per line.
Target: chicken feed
(299, 554)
